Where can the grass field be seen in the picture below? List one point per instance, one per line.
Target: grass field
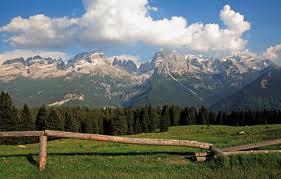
(89, 159)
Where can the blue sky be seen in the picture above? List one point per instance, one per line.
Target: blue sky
(263, 17)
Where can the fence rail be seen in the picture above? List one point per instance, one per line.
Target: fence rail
(212, 149)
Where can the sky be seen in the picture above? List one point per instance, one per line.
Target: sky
(63, 28)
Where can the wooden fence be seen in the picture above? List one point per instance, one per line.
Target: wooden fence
(213, 151)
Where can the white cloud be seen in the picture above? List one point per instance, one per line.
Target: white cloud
(30, 53)
(273, 52)
(41, 31)
(127, 21)
(234, 20)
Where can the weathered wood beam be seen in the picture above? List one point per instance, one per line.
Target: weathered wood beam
(21, 134)
(252, 152)
(240, 149)
(252, 146)
(126, 140)
(43, 151)
(203, 156)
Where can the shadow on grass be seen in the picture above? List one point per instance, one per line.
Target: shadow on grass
(29, 157)
(31, 160)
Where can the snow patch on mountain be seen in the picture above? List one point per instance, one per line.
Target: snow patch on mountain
(67, 98)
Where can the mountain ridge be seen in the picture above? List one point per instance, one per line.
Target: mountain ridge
(170, 78)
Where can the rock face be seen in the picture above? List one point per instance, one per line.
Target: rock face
(170, 78)
(15, 61)
(145, 68)
(127, 65)
(262, 93)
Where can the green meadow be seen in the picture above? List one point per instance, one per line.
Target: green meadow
(90, 159)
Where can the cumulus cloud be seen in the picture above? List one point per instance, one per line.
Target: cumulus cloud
(127, 21)
(41, 31)
(273, 52)
(30, 53)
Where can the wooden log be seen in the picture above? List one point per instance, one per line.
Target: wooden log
(201, 154)
(126, 140)
(237, 149)
(21, 134)
(252, 146)
(43, 151)
(201, 159)
(252, 152)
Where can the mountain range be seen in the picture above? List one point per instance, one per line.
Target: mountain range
(92, 79)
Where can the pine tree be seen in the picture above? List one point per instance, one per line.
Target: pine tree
(130, 121)
(144, 120)
(153, 118)
(107, 121)
(137, 124)
(175, 112)
(203, 116)
(212, 118)
(71, 124)
(27, 124)
(54, 122)
(87, 126)
(26, 120)
(8, 114)
(119, 123)
(184, 117)
(164, 122)
(219, 119)
(8, 117)
(41, 118)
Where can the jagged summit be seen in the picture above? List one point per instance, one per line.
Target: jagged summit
(85, 57)
(170, 78)
(15, 61)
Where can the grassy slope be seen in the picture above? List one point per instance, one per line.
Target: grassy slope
(166, 91)
(76, 158)
(38, 92)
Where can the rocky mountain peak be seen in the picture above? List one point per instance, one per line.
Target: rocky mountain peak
(170, 62)
(86, 57)
(15, 61)
(128, 65)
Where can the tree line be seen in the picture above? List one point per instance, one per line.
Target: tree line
(120, 121)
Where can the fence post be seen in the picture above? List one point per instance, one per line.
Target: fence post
(43, 151)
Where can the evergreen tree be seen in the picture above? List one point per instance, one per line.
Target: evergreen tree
(8, 117)
(144, 120)
(54, 122)
(175, 112)
(41, 118)
(119, 125)
(137, 124)
(87, 126)
(26, 120)
(191, 116)
(27, 124)
(184, 117)
(8, 113)
(220, 118)
(212, 117)
(154, 119)
(107, 122)
(164, 121)
(130, 121)
(203, 116)
(71, 123)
